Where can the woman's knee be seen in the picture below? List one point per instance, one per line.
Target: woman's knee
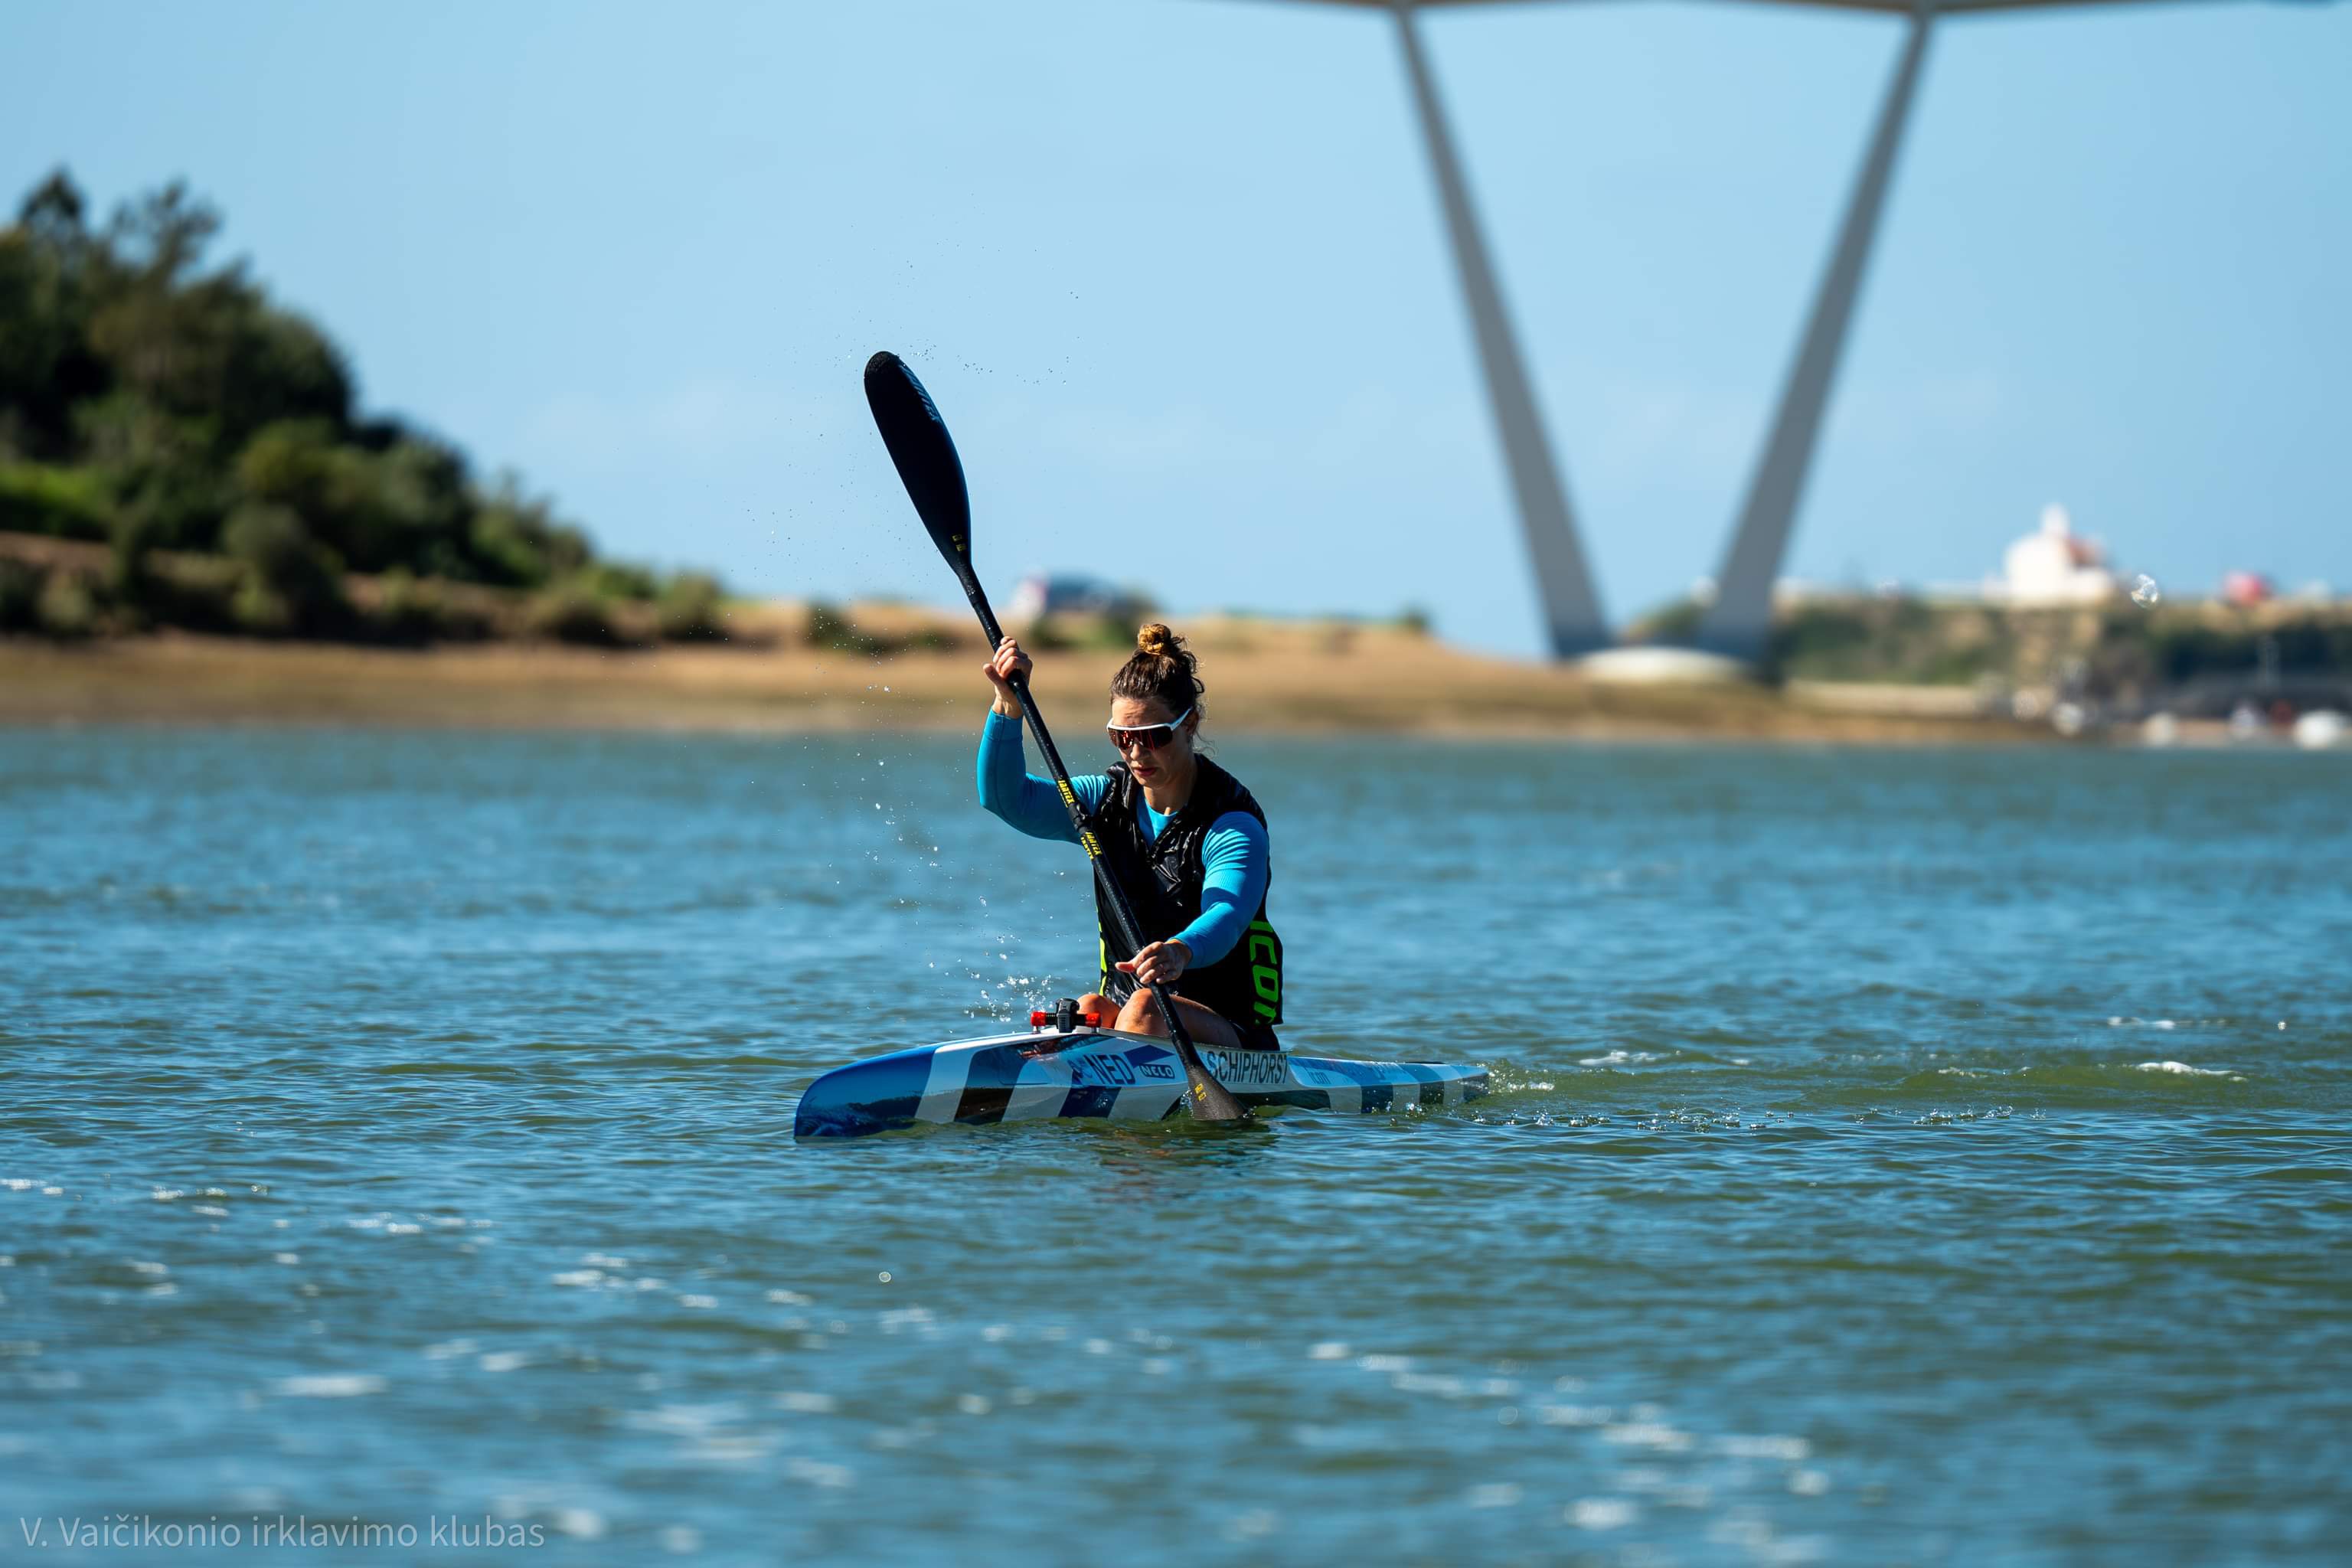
(1142, 1014)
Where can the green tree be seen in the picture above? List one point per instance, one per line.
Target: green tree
(46, 365)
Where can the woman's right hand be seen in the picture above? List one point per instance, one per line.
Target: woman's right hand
(1008, 662)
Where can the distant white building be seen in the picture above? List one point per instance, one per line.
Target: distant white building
(2054, 565)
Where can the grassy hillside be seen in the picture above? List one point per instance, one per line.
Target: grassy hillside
(211, 442)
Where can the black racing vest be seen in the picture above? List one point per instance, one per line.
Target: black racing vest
(1163, 879)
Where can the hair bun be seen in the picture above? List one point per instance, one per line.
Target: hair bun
(1161, 668)
(1158, 641)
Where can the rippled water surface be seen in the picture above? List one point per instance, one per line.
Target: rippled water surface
(1932, 1157)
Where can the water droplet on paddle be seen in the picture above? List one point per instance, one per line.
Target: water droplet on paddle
(2145, 592)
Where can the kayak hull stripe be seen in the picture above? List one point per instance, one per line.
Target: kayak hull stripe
(1041, 1090)
(950, 1066)
(1101, 1074)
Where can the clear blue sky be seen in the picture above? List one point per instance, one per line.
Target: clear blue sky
(1174, 271)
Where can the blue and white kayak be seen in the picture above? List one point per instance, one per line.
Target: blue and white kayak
(1100, 1073)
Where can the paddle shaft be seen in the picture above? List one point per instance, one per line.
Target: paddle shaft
(1206, 1089)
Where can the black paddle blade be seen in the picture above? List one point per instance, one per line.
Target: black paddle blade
(926, 455)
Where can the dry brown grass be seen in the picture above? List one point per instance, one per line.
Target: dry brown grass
(1304, 675)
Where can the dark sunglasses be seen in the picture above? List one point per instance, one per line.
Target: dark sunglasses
(1145, 737)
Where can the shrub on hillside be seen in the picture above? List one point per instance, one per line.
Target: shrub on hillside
(68, 609)
(517, 544)
(829, 627)
(63, 503)
(618, 580)
(20, 595)
(291, 585)
(407, 611)
(197, 593)
(689, 609)
(572, 612)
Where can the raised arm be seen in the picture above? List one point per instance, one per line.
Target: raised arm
(1011, 792)
(1008, 789)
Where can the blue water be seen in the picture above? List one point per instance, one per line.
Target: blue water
(1902, 1157)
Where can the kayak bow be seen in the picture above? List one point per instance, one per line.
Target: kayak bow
(1100, 1073)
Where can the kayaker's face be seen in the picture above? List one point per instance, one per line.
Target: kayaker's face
(1149, 764)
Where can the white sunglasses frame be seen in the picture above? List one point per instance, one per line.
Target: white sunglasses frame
(1171, 726)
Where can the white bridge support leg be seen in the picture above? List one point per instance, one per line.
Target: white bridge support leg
(1571, 611)
(1739, 623)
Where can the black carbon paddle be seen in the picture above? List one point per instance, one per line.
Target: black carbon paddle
(927, 466)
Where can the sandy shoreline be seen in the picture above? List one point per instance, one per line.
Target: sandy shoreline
(1324, 677)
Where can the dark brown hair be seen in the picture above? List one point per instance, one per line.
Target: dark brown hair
(1163, 668)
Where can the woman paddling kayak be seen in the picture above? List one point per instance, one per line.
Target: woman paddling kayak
(1186, 841)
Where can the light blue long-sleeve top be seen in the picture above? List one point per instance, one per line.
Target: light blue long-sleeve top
(1235, 862)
